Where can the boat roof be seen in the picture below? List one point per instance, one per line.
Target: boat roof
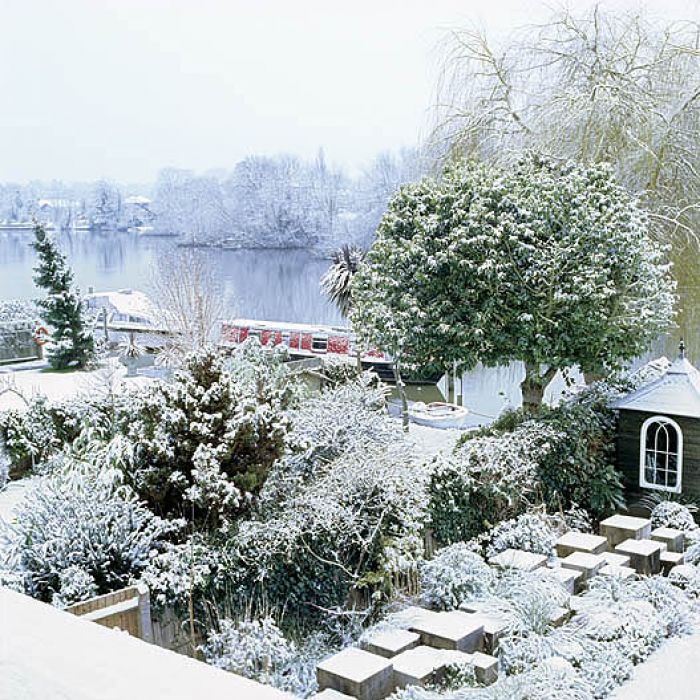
(285, 326)
(124, 301)
(676, 392)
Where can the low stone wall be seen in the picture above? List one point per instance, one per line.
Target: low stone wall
(17, 342)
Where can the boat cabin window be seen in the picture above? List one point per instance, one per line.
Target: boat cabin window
(661, 454)
(252, 333)
(319, 343)
(285, 338)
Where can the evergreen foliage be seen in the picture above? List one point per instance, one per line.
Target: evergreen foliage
(545, 262)
(72, 344)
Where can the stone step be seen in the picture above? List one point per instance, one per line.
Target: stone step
(644, 554)
(587, 564)
(672, 538)
(357, 673)
(670, 560)
(619, 528)
(419, 666)
(517, 559)
(450, 630)
(622, 572)
(390, 643)
(580, 542)
(494, 628)
(615, 559)
(569, 578)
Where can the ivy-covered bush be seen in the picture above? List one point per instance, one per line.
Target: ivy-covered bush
(80, 533)
(486, 480)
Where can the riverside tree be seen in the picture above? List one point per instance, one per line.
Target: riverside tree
(544, 262)
(72, 343)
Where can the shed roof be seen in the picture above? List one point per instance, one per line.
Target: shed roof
(676, 392)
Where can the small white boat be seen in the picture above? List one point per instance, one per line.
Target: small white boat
(438, 414)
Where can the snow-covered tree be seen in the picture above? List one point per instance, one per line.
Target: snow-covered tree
(72, 344)
(545, 262)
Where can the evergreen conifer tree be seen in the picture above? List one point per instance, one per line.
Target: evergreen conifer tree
(72, 344)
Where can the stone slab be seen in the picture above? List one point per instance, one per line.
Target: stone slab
(517, 559)
(672, 538)
(645, 555)
(330, 694)
(451, 630)
(389, 643)
(418, 666)
(559, 616)
(569, 578)
(669, 560)
(588, 564)
(356, 672)
(615, 559)
(619, 528)
(485, 667)
(494, 628)
(623, 572)
(580, 542)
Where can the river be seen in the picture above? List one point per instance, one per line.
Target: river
(264, 284)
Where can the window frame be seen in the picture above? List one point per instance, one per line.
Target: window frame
(643, 483)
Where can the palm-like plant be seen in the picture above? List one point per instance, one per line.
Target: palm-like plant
(336, 283)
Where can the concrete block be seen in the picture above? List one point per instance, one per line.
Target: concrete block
(623, 572)
(669, 560)
(330, 694)
(580, 542)
(451, 630)
(560, 616)
(615, 559)
(672, 538)
(485, 667)
(619, 528)
(412, 614)
(645, 555)
(418, 666)
(569, 578)
(358, 673)
(588, 564)
(517, 559)
(390, 642)
(494, 628)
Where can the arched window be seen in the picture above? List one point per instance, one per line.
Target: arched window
(661, 454)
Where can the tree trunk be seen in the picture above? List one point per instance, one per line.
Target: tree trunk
(533, 386)
(402, 394)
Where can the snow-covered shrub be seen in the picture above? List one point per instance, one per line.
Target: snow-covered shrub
(486, 480)
(83, 530)
(530, 532)
(348, 418)
(687, 580)
(355, 524)
(14, 310)
(204, 442)
(455, 575)
(673, 514)
(257, 649)
(180, 569)
(4, 463)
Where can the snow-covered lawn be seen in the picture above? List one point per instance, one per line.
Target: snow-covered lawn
(12, 495)
(671, 673)
(59, 385)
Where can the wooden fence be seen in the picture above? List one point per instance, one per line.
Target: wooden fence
(128, 609)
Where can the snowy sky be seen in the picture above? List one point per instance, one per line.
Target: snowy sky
(121, 88)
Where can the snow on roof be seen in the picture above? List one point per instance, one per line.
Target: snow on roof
(137, 199)
(285, 326)
(124, 301)
(675, 392)
(50, 653)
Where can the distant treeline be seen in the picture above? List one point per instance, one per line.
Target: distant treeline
(277, 201)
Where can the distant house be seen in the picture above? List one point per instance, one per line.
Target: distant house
(658, 438)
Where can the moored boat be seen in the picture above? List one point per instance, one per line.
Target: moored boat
(438, 414)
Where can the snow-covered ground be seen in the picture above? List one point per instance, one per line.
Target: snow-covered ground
(59, 385)
(48, 654)
(11, 496)
(431, 441)
(672, 673)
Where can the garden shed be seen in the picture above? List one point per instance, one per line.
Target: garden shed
(658, 434)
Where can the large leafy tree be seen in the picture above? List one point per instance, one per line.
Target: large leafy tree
(544, 262)
(72, 344)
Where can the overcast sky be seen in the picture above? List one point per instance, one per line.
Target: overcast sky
(121, 88)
